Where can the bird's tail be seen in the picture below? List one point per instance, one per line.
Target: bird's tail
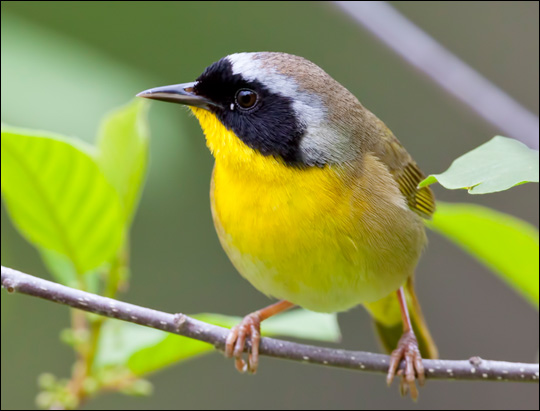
(387, 316)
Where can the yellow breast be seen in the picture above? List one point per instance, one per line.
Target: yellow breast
(325, 238)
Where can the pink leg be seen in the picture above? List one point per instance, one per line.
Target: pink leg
(407, 350)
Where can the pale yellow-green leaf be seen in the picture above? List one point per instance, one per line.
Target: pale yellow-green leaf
(497, 165)
(59, 198)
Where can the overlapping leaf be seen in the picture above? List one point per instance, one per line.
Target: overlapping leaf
(122, 151)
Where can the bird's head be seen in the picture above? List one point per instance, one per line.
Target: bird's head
(273, 105)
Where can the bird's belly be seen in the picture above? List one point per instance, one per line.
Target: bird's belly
(298, 244)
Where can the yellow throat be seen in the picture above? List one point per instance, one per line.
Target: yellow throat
(294, 232)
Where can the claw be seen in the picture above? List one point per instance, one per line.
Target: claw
(407, 350)
(240, 365)
(229, 342)
(254, 354)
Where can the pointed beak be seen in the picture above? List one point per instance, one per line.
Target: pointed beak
(178, 93)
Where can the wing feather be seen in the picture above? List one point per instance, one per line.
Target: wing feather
(406, 173)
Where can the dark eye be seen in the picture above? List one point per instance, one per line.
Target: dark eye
(246, 99)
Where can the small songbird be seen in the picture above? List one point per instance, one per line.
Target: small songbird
(314, 200)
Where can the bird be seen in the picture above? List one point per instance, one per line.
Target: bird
(314, 200)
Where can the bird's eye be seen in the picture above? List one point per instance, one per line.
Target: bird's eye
(246, 99)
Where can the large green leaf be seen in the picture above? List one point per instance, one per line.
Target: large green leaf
(122, 151)
(59, 198)
(143, 350)
(497, 165)
(506, 244)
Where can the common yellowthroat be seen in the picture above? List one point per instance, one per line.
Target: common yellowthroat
(313, 198)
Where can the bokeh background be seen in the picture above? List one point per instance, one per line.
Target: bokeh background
(65, 64)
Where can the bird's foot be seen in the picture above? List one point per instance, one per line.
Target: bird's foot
(407, 350)
(236, 341)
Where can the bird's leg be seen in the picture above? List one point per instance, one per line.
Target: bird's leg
(408, 350)
(250, 327)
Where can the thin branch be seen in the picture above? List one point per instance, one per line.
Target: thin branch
(473, 369)
(452, 74)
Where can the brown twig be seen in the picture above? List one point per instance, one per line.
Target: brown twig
(473, 369)
(449, 72)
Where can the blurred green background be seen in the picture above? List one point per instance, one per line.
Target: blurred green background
(66, 64)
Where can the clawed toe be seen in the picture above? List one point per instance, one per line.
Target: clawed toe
(407, 350)
(236, 343)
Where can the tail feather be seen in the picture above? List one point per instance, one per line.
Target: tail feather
(389, 327)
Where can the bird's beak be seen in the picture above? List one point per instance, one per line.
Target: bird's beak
(178, 93)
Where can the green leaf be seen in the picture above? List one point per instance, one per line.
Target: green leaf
(120, 340)
(170, 350)
(298, 323)
(123, 151)
(497, 165)
(59, 198)
(507, 245)
(144, 350)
